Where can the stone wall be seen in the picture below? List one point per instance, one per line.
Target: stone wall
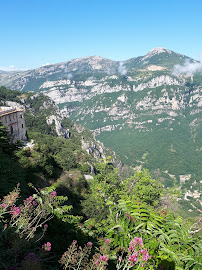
(13, 119)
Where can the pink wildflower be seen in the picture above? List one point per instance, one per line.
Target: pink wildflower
(89, 244)
(28, 201)
(104, 258)
(34, 203)
(108, 241)
(133, 257)
(47, 246)
(120, 259)
(97, 262)
(46, 226)
(53, 194)
(138, 240)
(145, 254)
(74, 242)
(3, 205)
(15, 211)
(134, 243)
(143, 265)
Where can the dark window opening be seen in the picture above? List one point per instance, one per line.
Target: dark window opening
(22, 125)
(11, 130)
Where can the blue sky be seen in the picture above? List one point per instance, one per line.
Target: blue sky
(36, 32)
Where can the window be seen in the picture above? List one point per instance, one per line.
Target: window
(22, 125)
(11, 130)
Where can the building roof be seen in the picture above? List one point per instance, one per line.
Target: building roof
(10, 111)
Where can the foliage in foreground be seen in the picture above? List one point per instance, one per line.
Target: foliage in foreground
(121, 211)
(135, 209)
(128, 224)
(77, 257)
(26, 223)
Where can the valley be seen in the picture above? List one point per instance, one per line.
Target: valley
(138, 106)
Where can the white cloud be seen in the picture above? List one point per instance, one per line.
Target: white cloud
(122, 69)
(189, 68)
(69, 76)
(65, 70)
(47, 64)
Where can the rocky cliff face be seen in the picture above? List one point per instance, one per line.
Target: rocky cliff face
(147, 109)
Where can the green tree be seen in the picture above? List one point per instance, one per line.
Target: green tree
(142, 187)
(104, 190)
(65, 159)
(4, 139)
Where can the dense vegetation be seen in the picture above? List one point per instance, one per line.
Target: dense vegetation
(125, 213)
(118, 223)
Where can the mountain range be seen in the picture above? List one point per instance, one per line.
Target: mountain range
(147, 109)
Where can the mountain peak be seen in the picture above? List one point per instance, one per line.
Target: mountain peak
(87, 58)
(158, 50)
(155, 51)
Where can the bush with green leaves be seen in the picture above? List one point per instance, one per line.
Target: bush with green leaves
(105, 186)
(132, 211)
(142, 187)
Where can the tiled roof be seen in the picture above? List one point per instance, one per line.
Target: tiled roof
(2, 113)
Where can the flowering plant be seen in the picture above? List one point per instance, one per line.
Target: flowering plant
(34, 212)
(78, 258)
(47, 246)
(7, 204)
(136, 255)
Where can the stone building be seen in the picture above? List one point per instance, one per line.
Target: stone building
(13, 119)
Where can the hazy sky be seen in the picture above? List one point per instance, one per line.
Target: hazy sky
(36, 32)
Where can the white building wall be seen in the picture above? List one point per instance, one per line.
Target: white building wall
(15, 123)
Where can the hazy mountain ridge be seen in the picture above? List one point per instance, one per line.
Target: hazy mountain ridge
(94, 65)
